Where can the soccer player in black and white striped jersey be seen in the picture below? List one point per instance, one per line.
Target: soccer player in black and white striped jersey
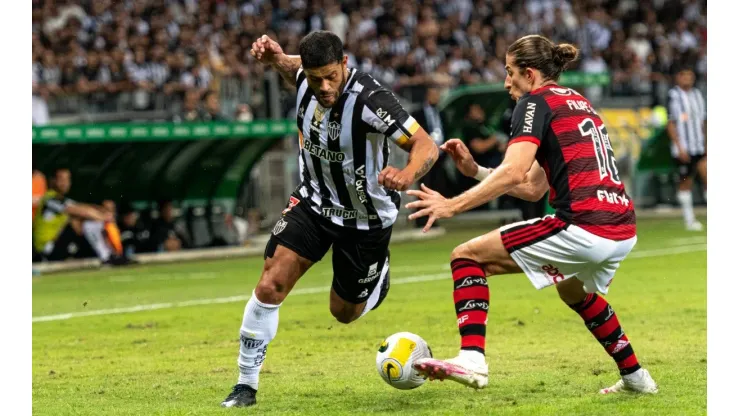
(348, 197)
(687, 129)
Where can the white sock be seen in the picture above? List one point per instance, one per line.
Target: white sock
(375, 296)
(474, 356)
(687, 206)
(259, 327)
(93, 231)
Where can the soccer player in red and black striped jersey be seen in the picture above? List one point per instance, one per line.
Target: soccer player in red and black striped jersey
(558, 142)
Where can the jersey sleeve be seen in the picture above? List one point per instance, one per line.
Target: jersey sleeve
(384, 114)
(674, 105)
(702, 105)
(530, 120)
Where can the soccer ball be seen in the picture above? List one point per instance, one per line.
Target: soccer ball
(396, 357)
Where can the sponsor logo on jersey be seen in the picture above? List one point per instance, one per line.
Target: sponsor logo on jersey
(553, 272)
(383, 114)
(322, 153)
(359, 182)
(612, 197)
(346, 214)
(529, 117)
(334, 130)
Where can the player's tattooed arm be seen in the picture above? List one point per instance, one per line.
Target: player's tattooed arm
(423, 153)
(424, 168)
(288, 66)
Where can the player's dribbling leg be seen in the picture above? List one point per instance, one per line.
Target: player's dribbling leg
(602, 321)
(471, 262)
(259, 324)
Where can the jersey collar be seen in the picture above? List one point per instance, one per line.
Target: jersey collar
(350, 80)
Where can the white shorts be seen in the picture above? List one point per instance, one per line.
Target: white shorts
(548, 251)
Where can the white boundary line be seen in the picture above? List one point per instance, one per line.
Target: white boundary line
(323, 289)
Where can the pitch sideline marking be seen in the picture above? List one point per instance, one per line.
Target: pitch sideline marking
(312, 290)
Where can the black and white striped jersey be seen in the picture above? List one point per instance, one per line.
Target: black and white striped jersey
(689, 111)
(344, 148)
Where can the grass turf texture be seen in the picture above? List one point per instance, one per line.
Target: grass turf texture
(182, 361)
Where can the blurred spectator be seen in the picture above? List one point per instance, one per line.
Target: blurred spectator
(244, 113)
(213, 108)
(485, 147)
(63, 228)
(38, 190)
(148, 54)
(135, 236)
(165, 234)
(430, 119)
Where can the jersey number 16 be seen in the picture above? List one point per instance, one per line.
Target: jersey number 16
(602, 148)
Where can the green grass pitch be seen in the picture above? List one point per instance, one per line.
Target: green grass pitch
(178, 357)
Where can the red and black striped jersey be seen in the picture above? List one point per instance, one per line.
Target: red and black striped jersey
(575, 152)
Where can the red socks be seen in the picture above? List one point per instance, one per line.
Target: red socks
(471, 303)
(601, 320)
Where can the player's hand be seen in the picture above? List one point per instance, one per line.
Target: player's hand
(683, 156)
(431, 203)
(462, 157)
(107, 216)
(266, 50)
(394, 178)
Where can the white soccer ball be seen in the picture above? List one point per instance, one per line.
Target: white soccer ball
(396, 357)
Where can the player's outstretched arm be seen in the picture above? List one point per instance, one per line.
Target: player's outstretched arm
(269, 52)
(532, 189)
(511, 174)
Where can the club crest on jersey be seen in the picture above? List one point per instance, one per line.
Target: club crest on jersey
(334, 129)
(562, 91)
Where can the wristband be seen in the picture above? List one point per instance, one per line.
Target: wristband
(482, 173)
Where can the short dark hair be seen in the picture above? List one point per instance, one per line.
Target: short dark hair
(320, 48)
(681, 67)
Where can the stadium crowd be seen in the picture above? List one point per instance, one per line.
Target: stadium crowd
(105, 55)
